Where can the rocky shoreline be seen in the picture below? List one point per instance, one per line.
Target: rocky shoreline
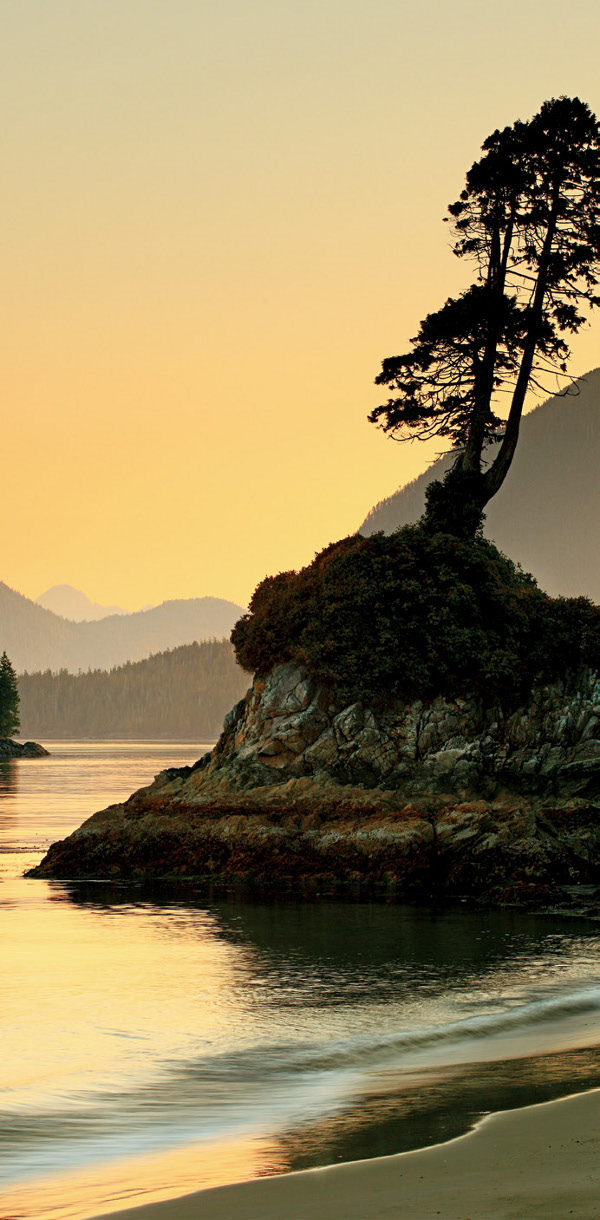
(493, 853)
(413, 801)
(18, 749)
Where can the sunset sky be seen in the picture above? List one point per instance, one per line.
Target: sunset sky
(218, 217)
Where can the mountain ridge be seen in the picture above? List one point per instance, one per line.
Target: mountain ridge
(38, 639)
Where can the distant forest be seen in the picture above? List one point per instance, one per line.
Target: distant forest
(184, 693)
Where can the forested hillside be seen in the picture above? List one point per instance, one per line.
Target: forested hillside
(547, 514)
(181, 694)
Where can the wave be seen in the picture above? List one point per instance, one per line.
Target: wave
(365, 1050)
(258, 1086)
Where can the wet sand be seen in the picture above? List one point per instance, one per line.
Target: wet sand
(540, 1161)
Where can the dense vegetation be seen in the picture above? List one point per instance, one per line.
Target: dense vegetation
(184, 693)
(9, 699)
(416, 614)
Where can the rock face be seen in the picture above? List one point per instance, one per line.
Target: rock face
(17, 749)
(445, 798)
(289, 727)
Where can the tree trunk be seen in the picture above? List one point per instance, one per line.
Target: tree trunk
(495, 476)
(470, 461)
(456, 504)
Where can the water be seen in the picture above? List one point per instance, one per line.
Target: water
(159, 1041)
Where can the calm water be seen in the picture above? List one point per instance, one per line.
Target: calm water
(155, 1042)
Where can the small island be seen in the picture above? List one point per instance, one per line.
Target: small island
(9, 717)
(21, 749)
(461, 760)
(424, 721)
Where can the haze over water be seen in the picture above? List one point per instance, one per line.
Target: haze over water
(159, 1041)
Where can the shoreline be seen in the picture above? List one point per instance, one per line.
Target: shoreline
(538, 1161)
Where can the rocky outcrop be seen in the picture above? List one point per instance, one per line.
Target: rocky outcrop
(448, 798)
(290, 727)
(17, 749)
(496, 852)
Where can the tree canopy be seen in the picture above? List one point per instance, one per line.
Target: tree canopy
(413, 615)
(9, 698)
(529, 220)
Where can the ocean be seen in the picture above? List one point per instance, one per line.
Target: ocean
(159, 1040)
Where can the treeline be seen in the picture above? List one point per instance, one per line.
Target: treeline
(9, 699)
(183, 693)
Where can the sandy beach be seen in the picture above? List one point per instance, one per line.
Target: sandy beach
(541, 1161)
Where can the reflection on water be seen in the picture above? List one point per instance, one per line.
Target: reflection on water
(8, 780)
(157, 1040)
(101, 1188)
(433, 1106)
(8, 790)
(58, 792)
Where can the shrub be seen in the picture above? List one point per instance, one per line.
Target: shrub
(416, 614)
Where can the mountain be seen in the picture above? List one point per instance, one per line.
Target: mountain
(183, 693)
(546, 516)
(73, 604)
(37, 639)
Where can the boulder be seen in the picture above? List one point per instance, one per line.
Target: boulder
(18, 749)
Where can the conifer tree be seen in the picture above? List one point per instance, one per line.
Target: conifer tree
(529, 219)
(9, 698)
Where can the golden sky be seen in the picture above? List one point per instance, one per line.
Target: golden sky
(218, 217)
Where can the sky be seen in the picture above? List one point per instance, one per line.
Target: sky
(219, 216)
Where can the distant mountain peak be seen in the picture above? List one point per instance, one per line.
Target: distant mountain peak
(71, 603)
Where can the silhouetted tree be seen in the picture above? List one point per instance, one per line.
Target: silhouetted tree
(529, 217)
(9, 698)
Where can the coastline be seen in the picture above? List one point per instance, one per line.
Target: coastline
(537, 1161)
